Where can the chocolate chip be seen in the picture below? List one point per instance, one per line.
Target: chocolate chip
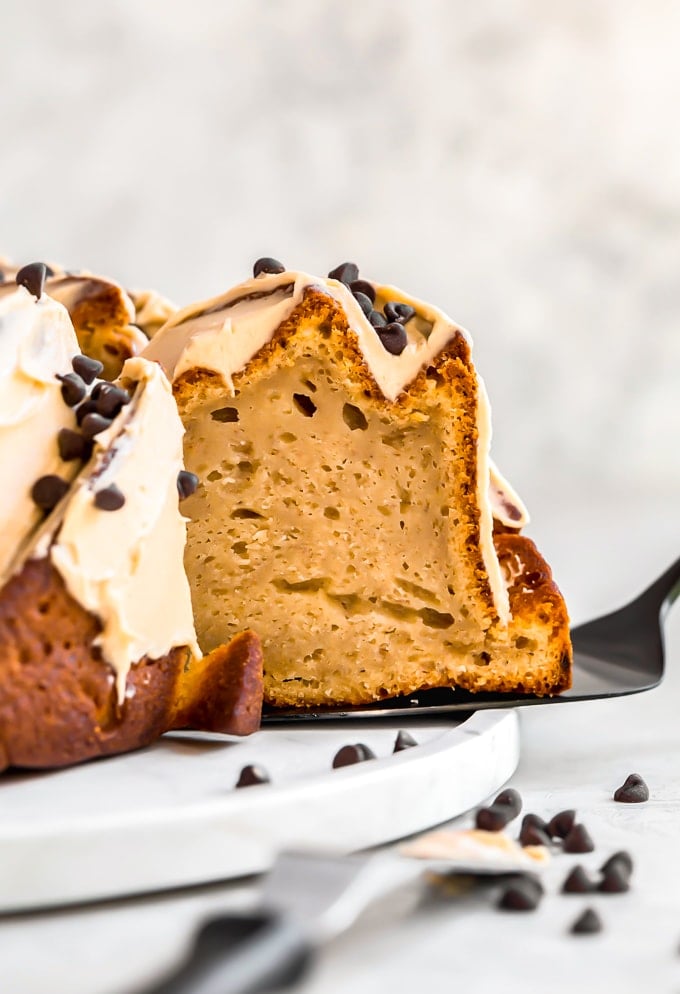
(73, 388)
(363, 286)
(87, 407)
(186, 483)
(561, 824)
(532, 829)
(615, 881)
(493, 818)
(510, 798)
(346, 272)
(94, 423)
(73, 445)
(110, 400)
(48, 491)
(377, 319)
(109, 498)
(86, 368)
(622, 859)
(3, 276)
(32, 277)
(578, 882)
(404, 740)
(268, 265)
(395, 311)
(364, 302)
(251, 776)
(350, 754)
(633, 791)
(393, 338)
(578, 840)
(587, 923)
(523, 894)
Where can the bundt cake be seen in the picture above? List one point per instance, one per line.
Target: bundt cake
(112, 324)
(98, 651)
(347, 507)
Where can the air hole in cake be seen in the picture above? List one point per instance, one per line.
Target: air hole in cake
(304, 404)
(522, 642)
(354, 418)
(43, 607)
(482, 659)
(310, 385)
(331, 512)
(288, 437)
(225, 415)
(245, 512)
(214, 475)
(240, 548)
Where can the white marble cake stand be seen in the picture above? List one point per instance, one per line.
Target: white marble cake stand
(168, 816)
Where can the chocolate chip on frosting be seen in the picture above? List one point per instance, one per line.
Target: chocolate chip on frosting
(109, 498)
(48, 491)
(186, 483)
(73, 388)
(110, 400)
(396, 311)
(33, 278)
(404, 740)
(393, 338)
(94, 423)
(87, 407)
(268, 265)
(364, 302)
(86, 368)
(377, 319)
(346, 272)
(73, 445)
(363, 286)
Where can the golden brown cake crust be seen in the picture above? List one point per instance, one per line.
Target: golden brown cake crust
(58, 703)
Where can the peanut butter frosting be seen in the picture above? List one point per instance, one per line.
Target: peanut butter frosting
(126, 566)
(224, 333)
(37, 342)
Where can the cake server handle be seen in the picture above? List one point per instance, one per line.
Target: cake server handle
(241, 954)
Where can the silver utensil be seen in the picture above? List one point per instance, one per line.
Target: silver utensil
(614, 655)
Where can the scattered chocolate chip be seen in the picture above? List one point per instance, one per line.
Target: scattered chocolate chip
(561, 824)
(404, 740)
(48, 491)
(395, 311)
(186, 483)
(493, 818)
(523, 894)
(363, 286)
(364, 302)
(251, 776)
(350, 754)
(377, 319)
(510, 798)
(346, 272)
(532, 828)
(87, 407)
(622, 859)
(268, 265)
(587, 923)
(73, 388)
(94, 423)
(578, 882)
(32, 277)
(109, 498)
(110, 400)
(393, 338)
(633, 791)
(578, 839)
(615, 881)
(86, 368)
(73, 445)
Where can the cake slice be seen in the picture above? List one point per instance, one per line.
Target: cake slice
(98, 651)
(347, 505)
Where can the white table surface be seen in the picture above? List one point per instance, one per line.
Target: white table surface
(572, 756)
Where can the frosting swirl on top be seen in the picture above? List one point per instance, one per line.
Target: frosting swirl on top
(37, 342)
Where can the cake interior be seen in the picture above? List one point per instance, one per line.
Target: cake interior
(326, 517)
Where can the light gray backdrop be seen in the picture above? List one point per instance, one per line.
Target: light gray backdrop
(517, 162)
